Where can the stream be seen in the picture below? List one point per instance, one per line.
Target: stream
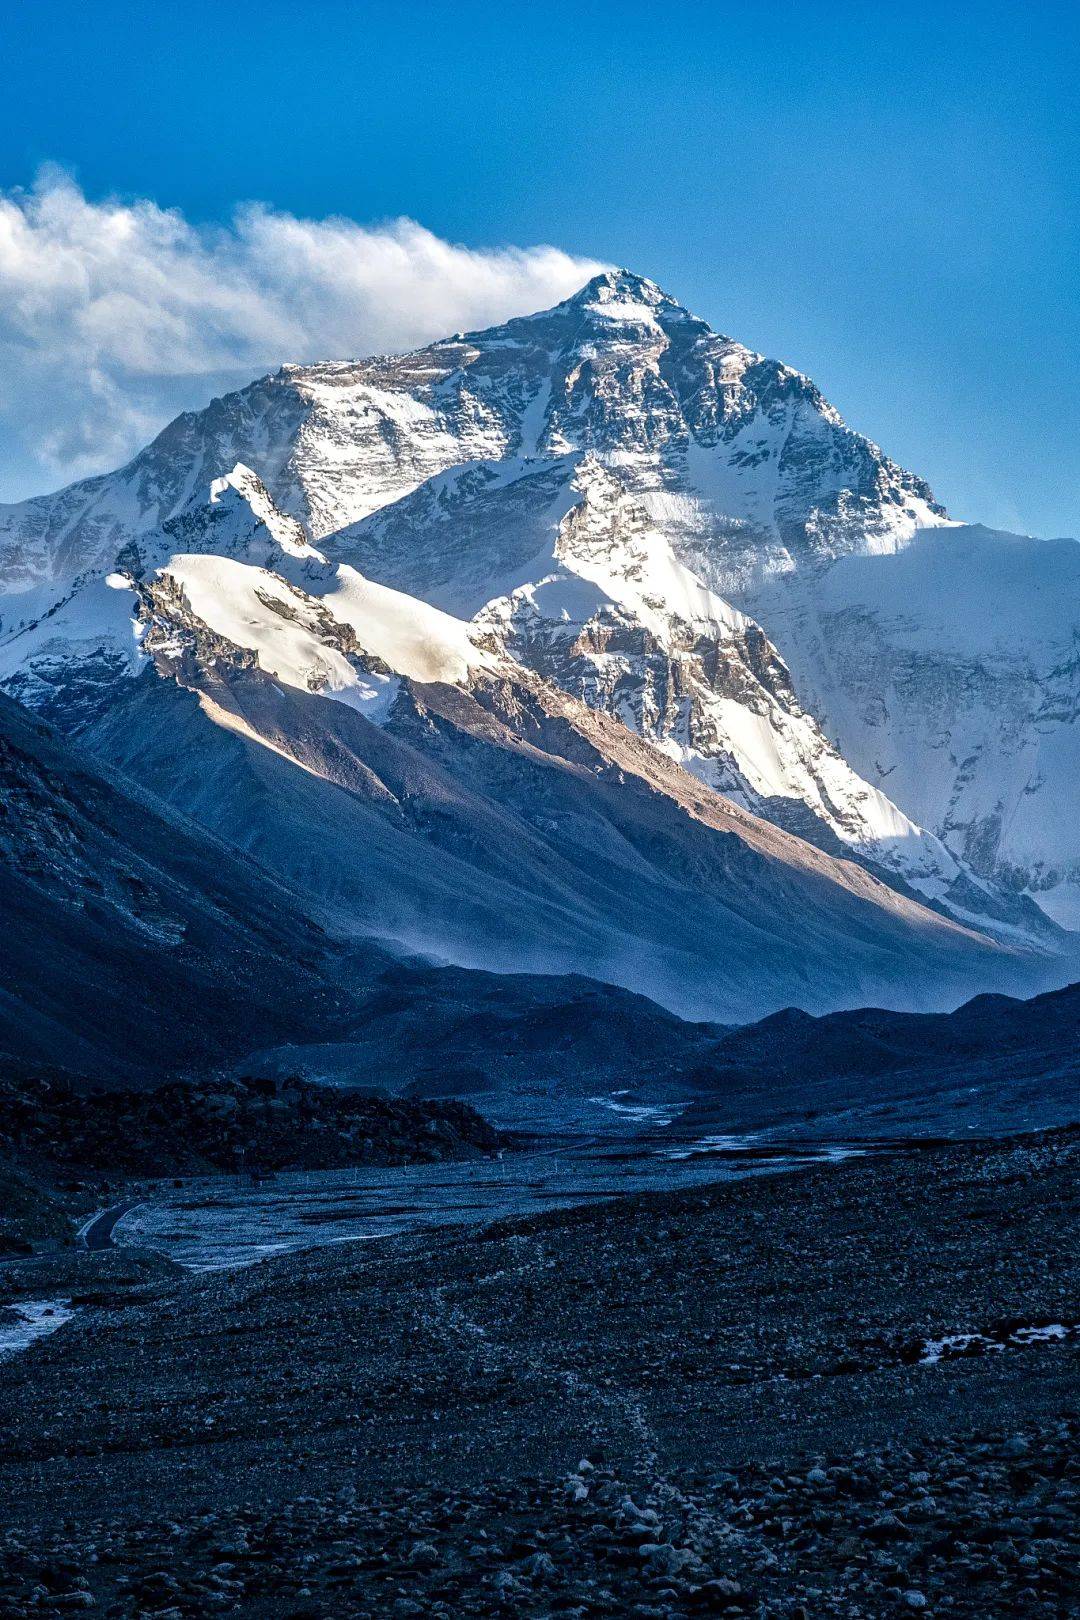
(224, 1221)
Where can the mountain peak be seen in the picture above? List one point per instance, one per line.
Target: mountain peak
(236, 511)
(620, 283)
(621, 295)
(241, 481)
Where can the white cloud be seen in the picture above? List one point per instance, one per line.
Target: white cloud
(115, 315)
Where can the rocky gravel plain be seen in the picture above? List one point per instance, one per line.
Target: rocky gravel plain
(849, 1390)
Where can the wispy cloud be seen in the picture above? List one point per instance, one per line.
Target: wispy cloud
(115, 314)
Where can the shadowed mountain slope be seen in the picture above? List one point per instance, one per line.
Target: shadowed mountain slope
(994, 1063)
(134, 941)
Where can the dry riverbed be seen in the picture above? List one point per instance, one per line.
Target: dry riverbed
(848, 1390)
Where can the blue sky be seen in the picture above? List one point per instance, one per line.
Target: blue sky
(884, 196)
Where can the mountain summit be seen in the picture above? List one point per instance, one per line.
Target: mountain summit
(619, 297)
(620, 369)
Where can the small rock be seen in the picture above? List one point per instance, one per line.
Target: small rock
(540, 1567)
(719, 1594)
(662, 1557)
(887, 1528)
(423, 1555)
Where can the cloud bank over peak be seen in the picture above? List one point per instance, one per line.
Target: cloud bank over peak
(115, 315)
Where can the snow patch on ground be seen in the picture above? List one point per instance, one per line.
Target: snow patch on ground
(968, 1344)
(23, 1324)
(641, 1113)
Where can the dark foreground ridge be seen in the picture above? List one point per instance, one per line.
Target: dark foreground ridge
(188, 1128)
(847, 1391)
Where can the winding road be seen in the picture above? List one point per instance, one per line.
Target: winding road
(98, 1231)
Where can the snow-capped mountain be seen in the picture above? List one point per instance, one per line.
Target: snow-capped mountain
(639, 510)
(402, 769)
(748, 446)
(420, 786)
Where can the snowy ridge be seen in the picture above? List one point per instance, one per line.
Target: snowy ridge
(619, 621)
(235, 500)
(254, 581)
(345, 638)
(259, 612)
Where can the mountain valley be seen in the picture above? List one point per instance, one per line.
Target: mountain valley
(538, 1064)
